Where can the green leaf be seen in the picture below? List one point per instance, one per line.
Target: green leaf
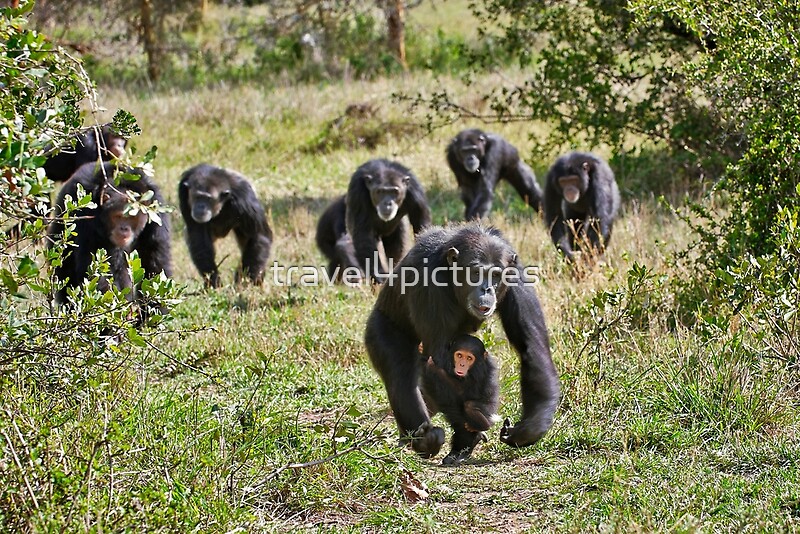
(9, 281)
(135, 338)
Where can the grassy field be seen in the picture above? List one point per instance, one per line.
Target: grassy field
(260, 410)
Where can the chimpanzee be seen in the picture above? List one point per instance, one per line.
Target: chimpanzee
(84, 147)
(111, 226)
(480, 160)
(580, 191)
(213, 202)
(464, 389)
(380, 194)
(461, 276)
(88, 147)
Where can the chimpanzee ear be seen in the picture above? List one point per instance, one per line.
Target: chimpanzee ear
(368, 179)
(406, 180)
(513, 259)
(105, 198)
(452, 255)
(225, 194)
(586, 166)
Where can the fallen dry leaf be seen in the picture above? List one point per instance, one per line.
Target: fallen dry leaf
(414, 490)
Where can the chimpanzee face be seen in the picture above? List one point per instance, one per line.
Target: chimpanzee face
(479, 277)
(575, 182)
(387, 191)
(207, 195)
(471, 149)
(468, 352)
(122, 224)
(113, 144)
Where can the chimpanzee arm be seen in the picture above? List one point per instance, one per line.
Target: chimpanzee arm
(252, 230)
(478, 416)
(554, 219)
(75, 262)
(605, 202)
(154, 247)
(522, 178)
(481, 403)
(419, 213)
(365, 245)
(201, 249)
(345, 254)
(255, 252)
(393, 353)
(360, 220)
(498, 151)
(120, 272)
(482, 199)
(524, 325)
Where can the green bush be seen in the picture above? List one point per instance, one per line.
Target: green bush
(710, 88)
(55, 361)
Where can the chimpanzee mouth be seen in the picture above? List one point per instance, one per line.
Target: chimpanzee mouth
(472, 164)
(387, 215)
(482, 311)
(572, 194)
(202, 218)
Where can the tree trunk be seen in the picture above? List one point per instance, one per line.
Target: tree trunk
(395, 22)
(150, 40)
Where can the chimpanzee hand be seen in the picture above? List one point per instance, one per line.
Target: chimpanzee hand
(427, 440)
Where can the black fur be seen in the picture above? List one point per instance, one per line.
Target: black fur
(85, 147)
(91, 234)
(497, 159)
(350, 230)
(404, 316)
(592, 215)
(469, 402)
(213, 202)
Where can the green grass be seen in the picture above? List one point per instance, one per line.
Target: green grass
(661, 427)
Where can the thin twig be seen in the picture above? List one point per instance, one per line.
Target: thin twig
(21, 470)
(319, 461)
(86, 476)
(175, 360)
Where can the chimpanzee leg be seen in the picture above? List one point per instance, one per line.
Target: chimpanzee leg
(461, 445)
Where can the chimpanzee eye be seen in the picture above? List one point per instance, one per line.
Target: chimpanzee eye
(495, 276)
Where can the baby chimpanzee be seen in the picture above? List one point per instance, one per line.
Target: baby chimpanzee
(465, 390)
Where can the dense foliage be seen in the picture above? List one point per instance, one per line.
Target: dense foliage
(59, 355)
(712, 85)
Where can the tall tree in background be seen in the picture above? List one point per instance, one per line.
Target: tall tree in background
(395, 29)
(150, 39)
(122, 28)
